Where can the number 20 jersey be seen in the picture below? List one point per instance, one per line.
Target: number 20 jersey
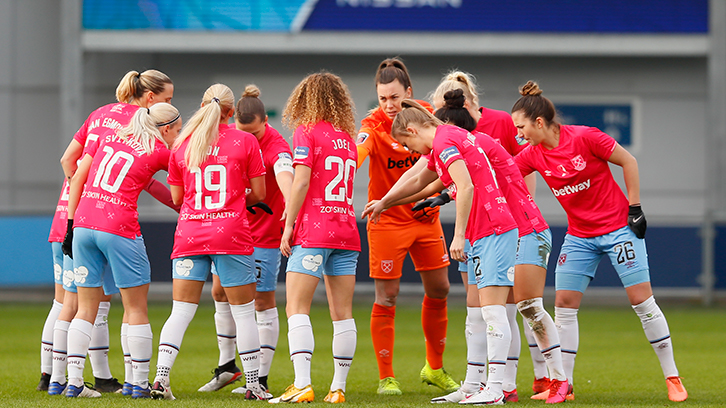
(213, 216)
(327, 218)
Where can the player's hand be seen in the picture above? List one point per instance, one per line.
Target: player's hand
(373, 210)
(264, 207)
(636, 220)
(435, 201)
(285, 248)
(457, 249)
(67, 245)
(426, 214)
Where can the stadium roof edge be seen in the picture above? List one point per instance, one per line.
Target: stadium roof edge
(410, 43)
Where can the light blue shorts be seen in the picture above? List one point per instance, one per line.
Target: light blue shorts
(466, 267)
(233, 270)
(534, 249)
(93, 250)
(492, 259)
(322, 261)
(267, 266)
(580, 257)
(57, 262)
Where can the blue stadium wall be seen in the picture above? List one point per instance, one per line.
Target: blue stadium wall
(674, 254)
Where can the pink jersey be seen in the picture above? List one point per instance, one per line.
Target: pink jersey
(578, 174)
(119, 171)
(213, 216)
(267, 229)
(523, 208)
(499, 125)
(107, 118)
(60, 218)
(489, 211)
(327, 219)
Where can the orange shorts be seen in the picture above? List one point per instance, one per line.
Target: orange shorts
(388, 248)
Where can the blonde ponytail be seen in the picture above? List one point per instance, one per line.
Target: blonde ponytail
(143, 127)
(133, 85)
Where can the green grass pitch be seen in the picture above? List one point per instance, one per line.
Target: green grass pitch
(615, 365)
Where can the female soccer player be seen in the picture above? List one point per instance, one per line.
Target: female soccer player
(482, 216)
(530, 270)
(424, 239)
(210, 168)
(321, 236)
(601, 220)
(134, 90)
(106, 230)
(266, 231)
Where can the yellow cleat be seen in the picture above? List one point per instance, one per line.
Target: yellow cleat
(294, 394)
(439, 378)
(335, 397)
(389, 386)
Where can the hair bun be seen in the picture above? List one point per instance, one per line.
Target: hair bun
(251, 91)
(530, 89)
(454, 99)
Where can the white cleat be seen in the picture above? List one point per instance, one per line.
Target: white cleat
(453, 397)
(484, 397)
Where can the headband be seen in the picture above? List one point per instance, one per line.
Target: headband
(169, 122)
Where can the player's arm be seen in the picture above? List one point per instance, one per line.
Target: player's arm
(531, 181)
(284, 175)
(624, 159)
(70, 158)
(77, 183)
(162, 194)
(298, 192)
(464, 198)
(257, 191)
(177, 194)
(413, 185)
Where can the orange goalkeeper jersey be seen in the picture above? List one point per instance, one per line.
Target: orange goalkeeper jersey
(388, 161)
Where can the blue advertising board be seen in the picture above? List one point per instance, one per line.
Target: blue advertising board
(504, 16)
(614, 119)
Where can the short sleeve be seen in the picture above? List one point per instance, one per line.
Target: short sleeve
(600, 144)
(303, 142)
(364, 143)
(525, 162)
(255, 163)
(175, 176)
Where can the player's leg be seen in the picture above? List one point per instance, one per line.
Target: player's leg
(509, 386)
(46, 337)
(268, 323)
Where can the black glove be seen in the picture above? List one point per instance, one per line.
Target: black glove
(67, 245)
(434, 201)
(264, 207)
(636, 221)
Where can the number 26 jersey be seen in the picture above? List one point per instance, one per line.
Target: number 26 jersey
(326, 219)
(213, 216)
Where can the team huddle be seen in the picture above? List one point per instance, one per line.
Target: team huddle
(245, 199)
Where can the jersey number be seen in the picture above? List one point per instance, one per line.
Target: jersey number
(624, 252)
(107, 163)
(344, 170)
(210, 185)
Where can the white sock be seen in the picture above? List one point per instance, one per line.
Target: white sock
(98, 349)
(226, 332)
(171, 338)
(60, 350)
(268, 325)
(545, 333)
(657, 332)
(302, 344)
(515, 347)
(128, 367)
(538, 361)
(140, 339)
(79, 336)
(498, 338)
(345, 337)
(567, 328)
(46, 338)
(248, 341)
(476, 351)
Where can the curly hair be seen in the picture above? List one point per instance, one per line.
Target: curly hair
(320, 97)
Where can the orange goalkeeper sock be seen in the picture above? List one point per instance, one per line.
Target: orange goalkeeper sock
(383, 332)
(434, 321)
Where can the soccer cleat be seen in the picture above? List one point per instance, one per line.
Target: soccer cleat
(138, 392)
(160, 391)
(558, 392)
(439, 378)
(56, 388)
(44, 382)
(127, 389)
(108, 385)
(256, 393)
(484, 397)
(454, 397)
(545, 394)
(511, 396)
(83, 391)
(676, 391)
(223, 377)
(294, 394)
(335, 397)
(389, 386)
(540, 384)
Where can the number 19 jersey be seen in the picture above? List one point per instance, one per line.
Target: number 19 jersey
(327, 219)
(213, 216)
